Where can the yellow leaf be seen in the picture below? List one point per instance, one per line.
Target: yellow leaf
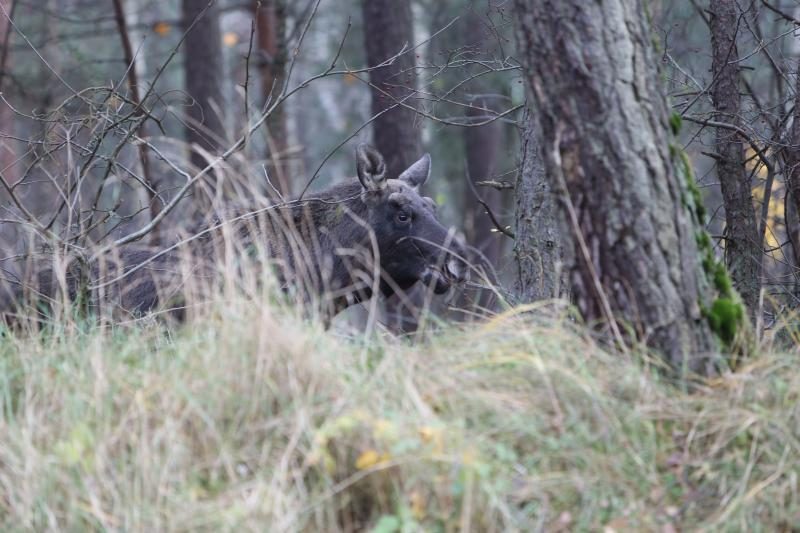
(775, 213)
(162, 28)
(367, 459)
(370, 458)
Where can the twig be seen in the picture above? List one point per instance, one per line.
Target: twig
(724, 125)
(504, 230)
(780, 13)
(499, 185)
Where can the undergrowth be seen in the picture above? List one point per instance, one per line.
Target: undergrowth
(252, 419)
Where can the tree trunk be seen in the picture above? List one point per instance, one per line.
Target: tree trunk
(540, 249)
(603, 122)
(792, 165)
(9, 167)
(203, 68)
(271, 31)
(742, 244)
(792, 220)
(151, 189)
(387, 29)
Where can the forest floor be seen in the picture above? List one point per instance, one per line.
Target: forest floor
(249, 418)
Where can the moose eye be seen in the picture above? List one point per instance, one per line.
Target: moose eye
(402, 218)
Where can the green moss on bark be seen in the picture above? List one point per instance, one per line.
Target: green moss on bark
(726, 315)
(675, 123)
(694, 201)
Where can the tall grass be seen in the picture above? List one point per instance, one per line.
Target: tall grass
(250, 418)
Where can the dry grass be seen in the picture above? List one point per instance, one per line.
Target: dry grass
(249, 418)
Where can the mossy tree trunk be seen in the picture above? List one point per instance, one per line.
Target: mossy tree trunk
(742, 242)
(604, 126)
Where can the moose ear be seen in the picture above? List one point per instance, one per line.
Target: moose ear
(370, 167)
(417, 174)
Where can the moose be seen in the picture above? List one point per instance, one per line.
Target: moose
(336, 248)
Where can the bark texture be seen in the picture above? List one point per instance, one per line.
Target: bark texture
(540, 248)
(271, 31)
(203, 68)
(387, 29)
(603, 123)
(742, 243)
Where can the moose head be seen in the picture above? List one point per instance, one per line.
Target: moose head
(413, 245)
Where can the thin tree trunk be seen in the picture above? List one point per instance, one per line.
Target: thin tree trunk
(540, 248)
(742, 243)
(792, 162)
(793, 232)
(203, 68)
(387, 29)
(8, 154)
(271, 32)
(603, 123)
(133, 86)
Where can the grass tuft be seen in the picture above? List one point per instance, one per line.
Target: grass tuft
(249, 418)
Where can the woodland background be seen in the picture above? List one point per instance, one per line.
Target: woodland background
(638, 160)
(454, 89)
